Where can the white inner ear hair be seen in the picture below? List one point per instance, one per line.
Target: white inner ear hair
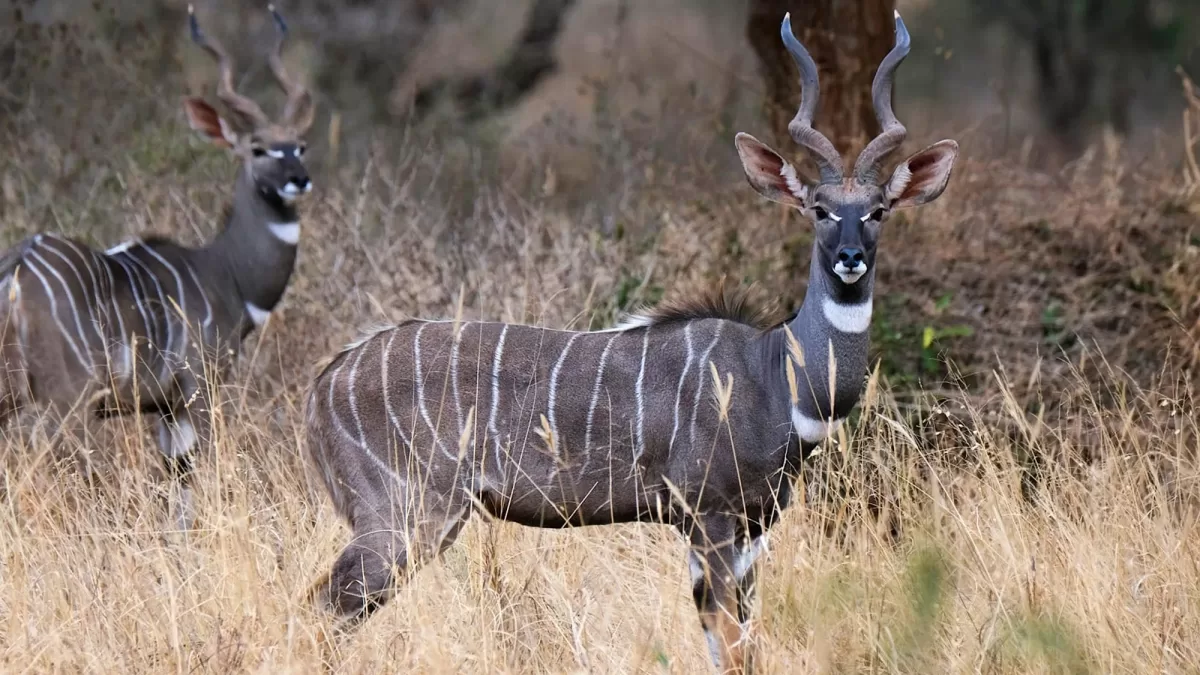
(227, 131)
(899, 182)
(796, 187)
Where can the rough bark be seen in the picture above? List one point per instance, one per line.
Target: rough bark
(847, 38)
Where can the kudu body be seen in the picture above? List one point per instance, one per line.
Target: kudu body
(150, 325)
(690, 415)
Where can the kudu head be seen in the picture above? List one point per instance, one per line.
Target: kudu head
(273, 152)
(847, 211)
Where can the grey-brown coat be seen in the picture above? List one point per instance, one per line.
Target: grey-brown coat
(693, 416)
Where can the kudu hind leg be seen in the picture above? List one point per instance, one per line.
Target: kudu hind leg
(366, 574)
(722, 588)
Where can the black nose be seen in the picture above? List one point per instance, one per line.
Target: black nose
(850, 257)
(300, 182)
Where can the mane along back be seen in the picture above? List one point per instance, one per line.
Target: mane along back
(721, 302)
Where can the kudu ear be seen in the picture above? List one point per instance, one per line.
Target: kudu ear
(769, 174)
(921, 178)
(204, 118)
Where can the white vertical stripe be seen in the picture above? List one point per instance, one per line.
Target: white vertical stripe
(553, 395)
(135, 290)
(337, 422)
(700, 379)
(687, 338)
(208, 315)
(353, 401)
(122, 336)
(164, 313)
(54, 312)
(491, 425)
(420, 377)
(454, 376)
(93, 305)
(87, 303)
(170, 310)
(640, 442)
(386, 386)
(587, 436)
(70, 300)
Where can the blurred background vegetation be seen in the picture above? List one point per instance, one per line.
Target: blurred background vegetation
(1071, 221)
(562, 161)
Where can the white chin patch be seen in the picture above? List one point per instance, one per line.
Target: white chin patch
(849, 275)
(289, 192)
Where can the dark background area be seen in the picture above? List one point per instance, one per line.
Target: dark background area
(1070, 223)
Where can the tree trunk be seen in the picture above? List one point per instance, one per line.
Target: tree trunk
(529, 62)
(847, 39)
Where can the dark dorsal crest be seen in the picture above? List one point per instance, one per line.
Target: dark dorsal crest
(719, 302)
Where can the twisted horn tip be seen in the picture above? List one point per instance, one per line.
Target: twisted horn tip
(194, 25)
(279, 23)
(902, 37)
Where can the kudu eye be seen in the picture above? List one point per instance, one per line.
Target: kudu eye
(877, 215)
(258, 151)
(820, 213)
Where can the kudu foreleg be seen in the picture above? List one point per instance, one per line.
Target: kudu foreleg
(722, 572)
(179, 433)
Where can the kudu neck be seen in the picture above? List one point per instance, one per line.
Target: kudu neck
(833, 322)
(257, 261)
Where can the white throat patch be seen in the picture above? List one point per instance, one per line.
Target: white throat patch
(257, 314)
(812, 430)
(288, 233)
(847, 318)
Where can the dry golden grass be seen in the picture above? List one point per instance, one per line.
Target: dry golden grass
(958, 573)
(1041, 520)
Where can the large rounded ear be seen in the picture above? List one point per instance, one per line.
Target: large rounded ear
(769, 174)
(203, 118)
(921, 178)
